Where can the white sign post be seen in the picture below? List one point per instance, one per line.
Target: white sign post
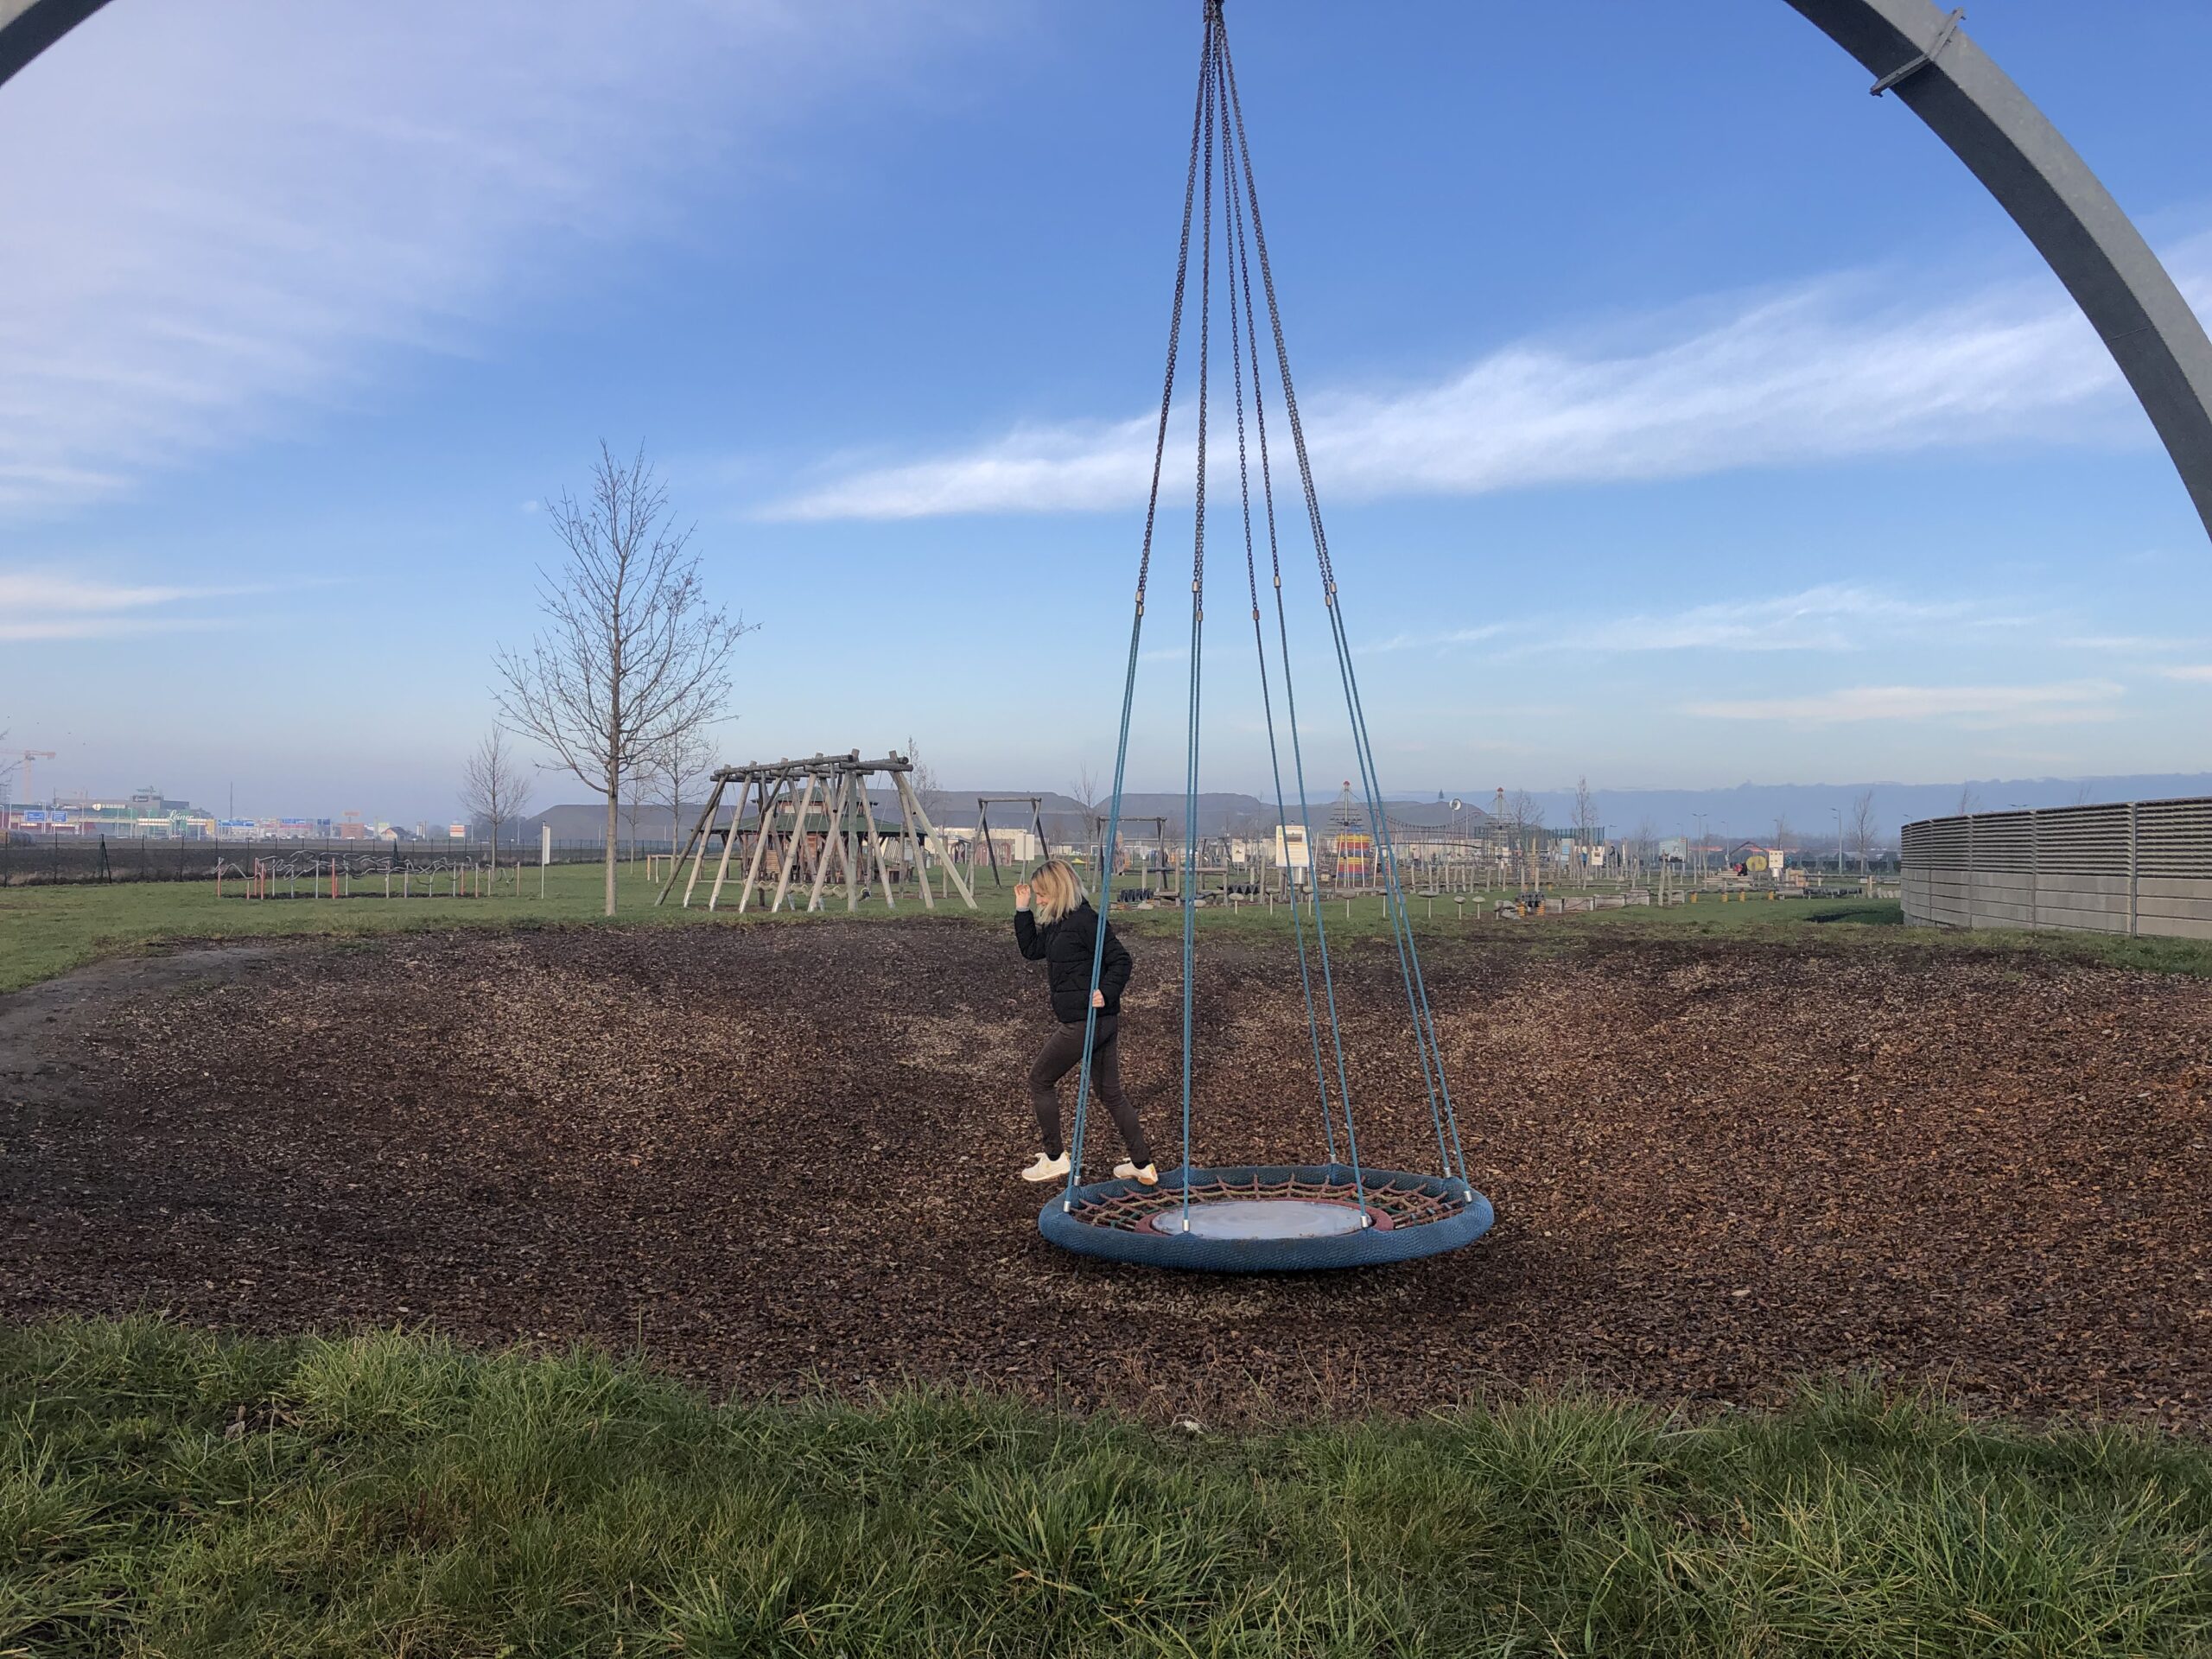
(544, 854)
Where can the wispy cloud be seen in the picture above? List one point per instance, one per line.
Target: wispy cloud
(2130, 643)
(2063, 703)
(1448, 639)
(1823, 372)
(45, 605)
(1824, 618)
(2190, 671)
(238, 208)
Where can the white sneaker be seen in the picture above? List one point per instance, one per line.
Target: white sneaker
(1047, 1169)
(1149, 1176)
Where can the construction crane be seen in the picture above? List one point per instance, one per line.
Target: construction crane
(29, 755)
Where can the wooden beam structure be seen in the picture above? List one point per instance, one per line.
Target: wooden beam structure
(812, 817)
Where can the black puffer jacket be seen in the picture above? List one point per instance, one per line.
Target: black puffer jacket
(1064, 948)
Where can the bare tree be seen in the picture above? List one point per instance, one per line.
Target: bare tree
(640, 784)
(1586, 825)
(1970, 800)
(1781, 846)
(1862, 826)
(923, 777)
(689, 756)
(2084, 792)
(1646, 834)
(633, 652)
(1523, 819)
(496, 785)
(1083, 792)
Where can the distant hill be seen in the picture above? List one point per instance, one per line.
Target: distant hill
(1746, 811)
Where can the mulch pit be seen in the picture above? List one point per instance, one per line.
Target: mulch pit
(782, 1158)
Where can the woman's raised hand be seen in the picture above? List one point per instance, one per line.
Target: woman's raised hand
(1021, 895)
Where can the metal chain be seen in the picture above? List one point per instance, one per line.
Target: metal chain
(1240, 277)
(1175, 316)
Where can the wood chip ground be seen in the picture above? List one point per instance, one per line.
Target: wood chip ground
(783, 1157)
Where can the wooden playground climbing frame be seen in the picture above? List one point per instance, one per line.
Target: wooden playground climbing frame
(808, 817)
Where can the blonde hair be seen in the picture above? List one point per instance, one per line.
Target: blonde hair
(1054, 890)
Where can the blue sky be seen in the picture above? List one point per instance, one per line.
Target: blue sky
(1683, 415)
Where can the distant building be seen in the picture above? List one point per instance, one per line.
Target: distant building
(144, 815)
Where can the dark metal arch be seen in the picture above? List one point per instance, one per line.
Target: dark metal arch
(29, 27)
(1924, 57)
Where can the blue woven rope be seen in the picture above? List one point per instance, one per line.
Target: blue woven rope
(1241, 274)
(1423, 1035)
(1424, 1018)
(1136, 624)
(1393, 899)
(1105, 907)
(1197, 626)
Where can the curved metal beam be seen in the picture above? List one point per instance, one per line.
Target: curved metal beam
(29, 27)
(1925, 58)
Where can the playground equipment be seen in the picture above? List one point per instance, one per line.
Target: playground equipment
(1036, 805)
(808, 817)
(1249, 1218)
(355, 875)
(1352, 845)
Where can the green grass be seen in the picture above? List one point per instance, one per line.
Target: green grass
(48, 930)
(168, 1492)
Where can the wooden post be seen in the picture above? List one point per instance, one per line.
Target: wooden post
(912, 841)
(698, 840)
(835, 796)
(792, 850)
(700, 835)
(729, 842)
(771, 791)
(847, 841)
(875, 844)
(931, 834)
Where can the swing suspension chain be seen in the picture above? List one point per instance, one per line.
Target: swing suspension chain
(1136, 633)
(1198, 606)
(1442, 1111)
(1220, 111)
(1240, 284)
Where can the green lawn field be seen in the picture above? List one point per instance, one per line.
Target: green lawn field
(46, 931)
(168, 1492)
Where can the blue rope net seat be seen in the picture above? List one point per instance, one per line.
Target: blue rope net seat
(1257, 1218)
(1270, 1218)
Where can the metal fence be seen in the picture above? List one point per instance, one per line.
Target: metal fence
(41, 861)
(2135, 867)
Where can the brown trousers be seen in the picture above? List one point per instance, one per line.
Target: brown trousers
(1063, 1053)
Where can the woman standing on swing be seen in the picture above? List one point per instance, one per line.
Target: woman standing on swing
(1062, 932)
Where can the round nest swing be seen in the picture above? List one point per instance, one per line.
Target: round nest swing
(1263, 1217)
(1269, 1218)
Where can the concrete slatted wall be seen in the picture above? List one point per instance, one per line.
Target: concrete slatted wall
(2142, 867)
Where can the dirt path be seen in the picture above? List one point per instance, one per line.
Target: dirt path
(783, 1156)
